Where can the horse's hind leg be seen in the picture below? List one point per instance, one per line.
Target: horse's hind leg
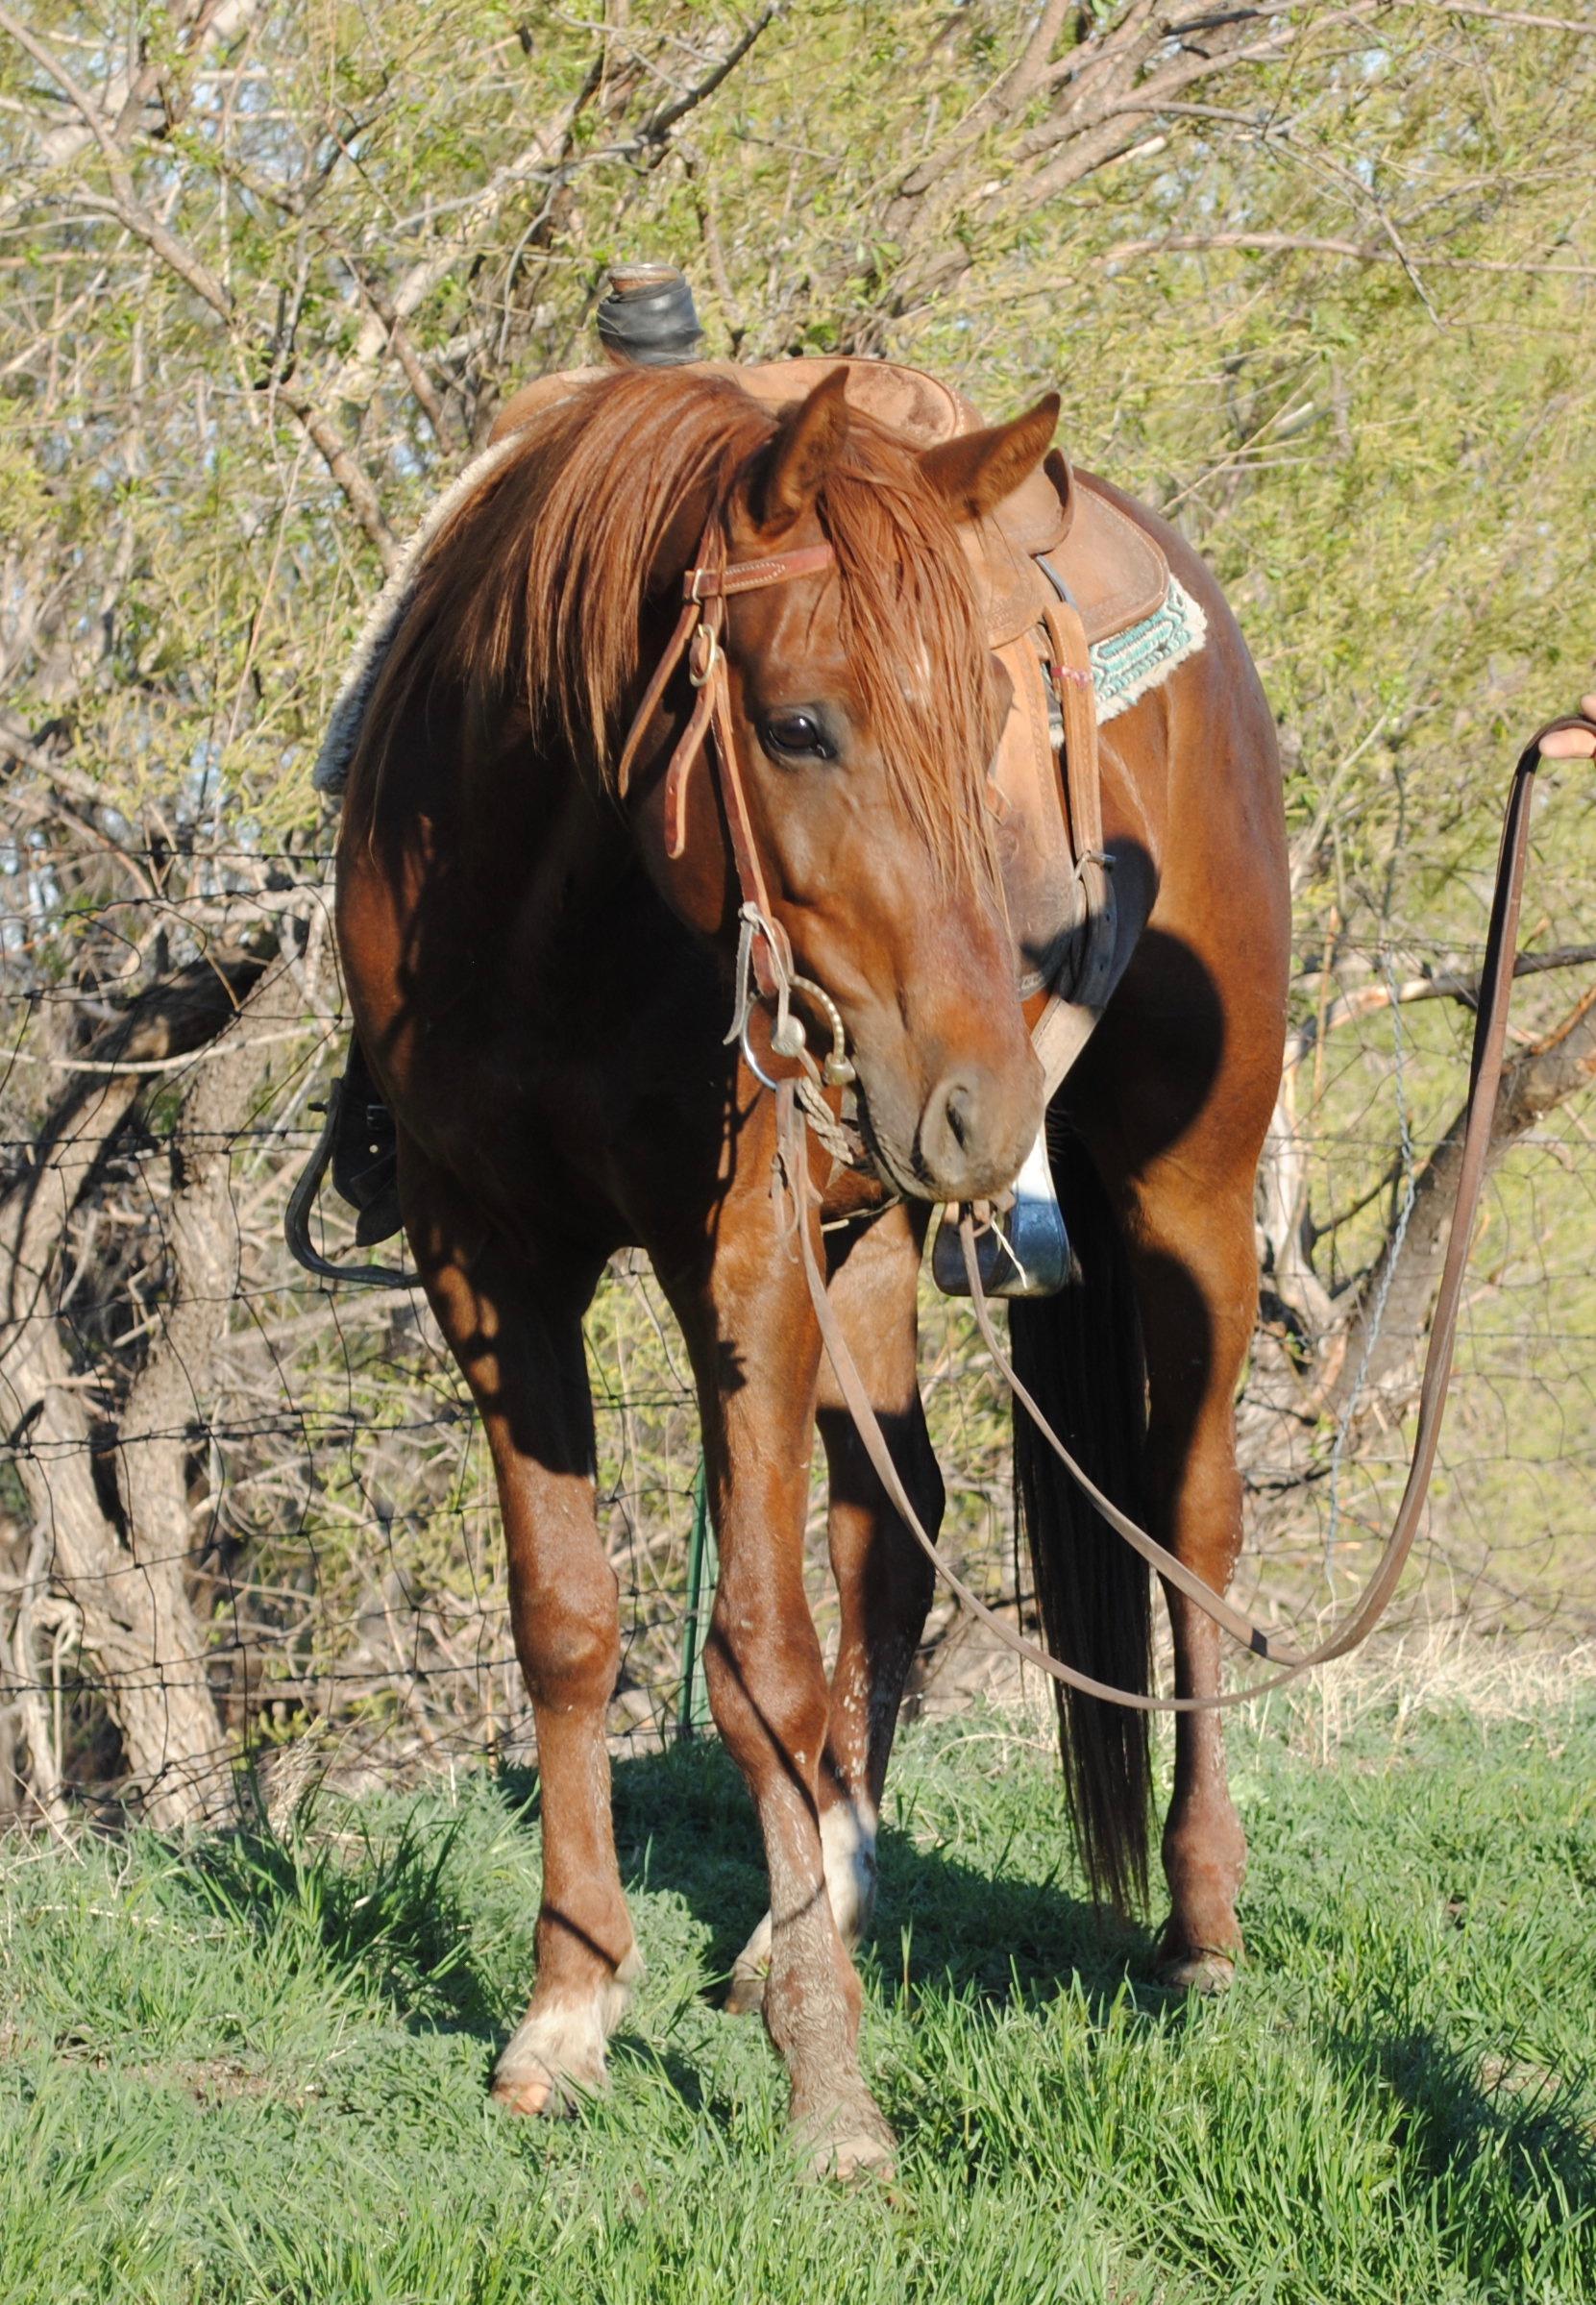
(884, 1580)
(517, 1338)
(1192, 1246)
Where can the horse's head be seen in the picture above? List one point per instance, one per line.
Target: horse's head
(865, 707)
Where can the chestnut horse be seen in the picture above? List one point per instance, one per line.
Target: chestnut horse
(542, 988)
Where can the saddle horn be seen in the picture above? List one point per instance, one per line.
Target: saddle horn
(649, 319)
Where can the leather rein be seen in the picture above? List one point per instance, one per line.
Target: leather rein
(765, 970)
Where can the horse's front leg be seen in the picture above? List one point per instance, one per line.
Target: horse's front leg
(884, 1580)
(755, 1349)
(516, 1332)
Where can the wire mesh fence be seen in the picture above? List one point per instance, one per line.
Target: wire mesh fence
(241, 1511)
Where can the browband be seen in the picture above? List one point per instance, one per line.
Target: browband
(700, 585)
(751, 575)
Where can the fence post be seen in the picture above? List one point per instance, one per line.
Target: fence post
(701, 1577)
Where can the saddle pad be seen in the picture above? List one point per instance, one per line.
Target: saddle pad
(1128, 664)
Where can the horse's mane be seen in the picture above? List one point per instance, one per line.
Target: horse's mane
(533, 589)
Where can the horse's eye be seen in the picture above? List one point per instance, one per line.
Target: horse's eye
(797, 736)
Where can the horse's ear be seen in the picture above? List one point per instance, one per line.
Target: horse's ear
(974, 473)
(807, 443)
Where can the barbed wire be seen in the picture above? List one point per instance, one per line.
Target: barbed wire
(338, 1556)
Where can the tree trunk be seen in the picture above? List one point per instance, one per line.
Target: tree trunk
(120, 1547)
(1397, 1297)
(1363, 1367)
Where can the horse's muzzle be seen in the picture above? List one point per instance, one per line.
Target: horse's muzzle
(974, 1132)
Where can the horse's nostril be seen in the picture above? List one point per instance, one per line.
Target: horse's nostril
(974, 1128)
(959, 1111)
(962, 1136)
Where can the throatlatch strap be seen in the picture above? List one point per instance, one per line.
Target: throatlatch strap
(1067, 1021)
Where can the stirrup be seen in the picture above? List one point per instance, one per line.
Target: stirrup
(296, 1219)
(1024, 1252)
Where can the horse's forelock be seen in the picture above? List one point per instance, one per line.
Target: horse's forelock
(913, 631)
(536, 583)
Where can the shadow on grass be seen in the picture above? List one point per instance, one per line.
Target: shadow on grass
(683, 1823)
(383, 1909)
(1502, 2149)
(378, 1907)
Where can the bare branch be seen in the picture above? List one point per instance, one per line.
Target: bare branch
(356, 379)
(1370, 1000)
(1518, 19)
(1398, 1293)
(658, 125)
(340, 461)
(1013, 88)
(1363, 251)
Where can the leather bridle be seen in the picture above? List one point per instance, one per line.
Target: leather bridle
(765, 953)
(765, 968)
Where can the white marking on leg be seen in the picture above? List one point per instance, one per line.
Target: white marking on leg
(755, 1959)
(848, 1848)
(847, 1842)
(557, 2052)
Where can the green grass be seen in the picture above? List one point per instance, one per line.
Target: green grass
(255, 2070)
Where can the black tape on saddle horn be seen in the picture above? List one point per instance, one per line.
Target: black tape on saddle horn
(648, 320)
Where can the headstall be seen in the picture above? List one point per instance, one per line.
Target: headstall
(765, 969)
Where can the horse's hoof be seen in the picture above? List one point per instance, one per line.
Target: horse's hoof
(854, 2160)
(535, 2094)
(746, 1993)
(1196, 1969)
(854, 2145)
(555, 2059)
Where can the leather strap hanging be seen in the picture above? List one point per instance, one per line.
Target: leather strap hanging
(706, 587)
(1067, 1022)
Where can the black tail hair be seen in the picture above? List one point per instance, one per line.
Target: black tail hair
(1080, 1353)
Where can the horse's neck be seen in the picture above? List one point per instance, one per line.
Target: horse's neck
(541, 853)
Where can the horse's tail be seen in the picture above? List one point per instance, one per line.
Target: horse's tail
(1080, 1353)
